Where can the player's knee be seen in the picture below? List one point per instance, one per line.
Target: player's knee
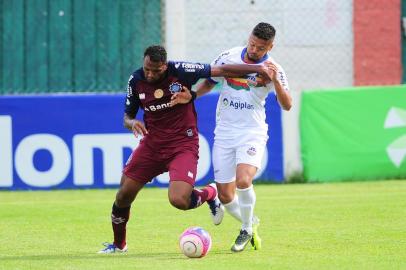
(244, 182)
(179, 202)
(123, 199)
(225, 197)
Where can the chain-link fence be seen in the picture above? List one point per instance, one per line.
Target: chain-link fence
(93, 45)
(74, 45)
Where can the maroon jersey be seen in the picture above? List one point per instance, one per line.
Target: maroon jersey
(167, 126)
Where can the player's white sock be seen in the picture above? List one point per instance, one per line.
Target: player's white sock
(246, 199)
(233, 208)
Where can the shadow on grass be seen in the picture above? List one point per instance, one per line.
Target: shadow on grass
(138, 255)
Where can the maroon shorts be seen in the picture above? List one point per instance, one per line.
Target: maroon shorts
(147, 162)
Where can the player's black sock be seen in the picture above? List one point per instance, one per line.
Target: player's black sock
(199, 196)
(119, 219)
(193, 200)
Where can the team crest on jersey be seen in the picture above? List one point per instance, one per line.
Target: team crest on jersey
(252, 80)
(252, 151)
(158, 93)
(141, 95)
(175, 87)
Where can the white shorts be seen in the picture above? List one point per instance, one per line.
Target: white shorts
(226, 159)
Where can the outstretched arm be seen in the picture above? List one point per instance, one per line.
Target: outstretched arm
(227, 70)
(235, 70)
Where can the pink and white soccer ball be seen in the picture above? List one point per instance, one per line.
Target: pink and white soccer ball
(195, 242)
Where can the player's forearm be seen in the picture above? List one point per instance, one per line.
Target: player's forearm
(128, 122)
(235, 70)
(204, 87)
(284, 98)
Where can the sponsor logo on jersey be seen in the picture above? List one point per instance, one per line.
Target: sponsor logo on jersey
(129, 91)
(175, 87)
(158, 93)
(221, 56)
(238, 105)
(282, 78)
(191, 67)
(252, 151)
(153, 108)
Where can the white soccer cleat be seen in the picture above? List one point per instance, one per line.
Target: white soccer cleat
(112, 248)
(216, 208)
(241, 242)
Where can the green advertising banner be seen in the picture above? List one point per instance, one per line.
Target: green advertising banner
(354, 134)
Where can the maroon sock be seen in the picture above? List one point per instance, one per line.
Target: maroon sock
(199, 196)
(119, 219)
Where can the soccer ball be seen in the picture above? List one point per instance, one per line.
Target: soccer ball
(195, 242)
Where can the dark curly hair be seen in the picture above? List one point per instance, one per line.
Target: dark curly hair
(156, 53)
(264, 31)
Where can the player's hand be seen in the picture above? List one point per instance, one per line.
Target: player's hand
(262, 80)
(138, 128)
(270, 70)
(182, 97)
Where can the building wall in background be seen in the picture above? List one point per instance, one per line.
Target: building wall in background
(73, 45)
(377, 51)
(313, 41)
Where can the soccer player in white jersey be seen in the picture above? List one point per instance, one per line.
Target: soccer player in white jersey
(241, 130)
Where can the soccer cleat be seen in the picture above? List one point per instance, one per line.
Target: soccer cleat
(241, 242)
(112, 248)
(216, 208)
(256, 241)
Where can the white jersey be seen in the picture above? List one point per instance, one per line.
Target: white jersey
(240, 113)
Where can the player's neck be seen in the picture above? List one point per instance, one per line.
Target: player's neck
(247, 60)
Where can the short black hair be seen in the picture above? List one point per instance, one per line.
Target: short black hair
(264, 31)
(156, 53)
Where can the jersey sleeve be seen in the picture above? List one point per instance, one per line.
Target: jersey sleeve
(220, 60)
(283, 78)
(190, 72)
(132, 101)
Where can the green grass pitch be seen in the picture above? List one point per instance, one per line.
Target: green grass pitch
(358, 225)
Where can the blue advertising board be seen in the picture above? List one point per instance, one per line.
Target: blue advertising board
(78, 141)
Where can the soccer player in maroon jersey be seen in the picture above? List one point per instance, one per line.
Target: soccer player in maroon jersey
(170, 137)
